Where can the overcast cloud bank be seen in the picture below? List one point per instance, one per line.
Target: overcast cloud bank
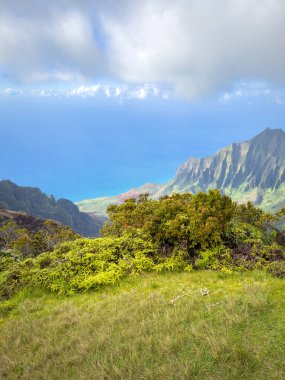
(197, 47)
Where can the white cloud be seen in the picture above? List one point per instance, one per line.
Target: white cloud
(248, 91)
(140, 93)
(125, 92)
(118, 91)
(57, 46)
(11, 91)
(196, 47)
(144, 91)
(108, 92)
(85, 91)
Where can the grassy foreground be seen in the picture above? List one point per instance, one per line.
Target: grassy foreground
(199, 325)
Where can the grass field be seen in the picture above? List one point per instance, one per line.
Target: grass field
(201, 325)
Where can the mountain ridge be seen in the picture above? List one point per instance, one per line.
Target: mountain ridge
(252, 170)
(33, 201)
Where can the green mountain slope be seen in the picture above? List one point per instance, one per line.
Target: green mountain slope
(252, 170)
(100, 205)
(24, 236)
(32, 201)
(24, 220)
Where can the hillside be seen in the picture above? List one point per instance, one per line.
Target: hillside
(32, 201)
(253, 170)
(23, 220)
(184, 287)
(99, 205)
(24, 236)
(202, 325)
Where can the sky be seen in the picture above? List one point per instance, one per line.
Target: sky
(97, 97)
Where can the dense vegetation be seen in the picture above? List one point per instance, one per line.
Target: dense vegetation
(174, 321)
(182, 232)
(20, 243)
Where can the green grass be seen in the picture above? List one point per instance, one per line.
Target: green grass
(150, 327)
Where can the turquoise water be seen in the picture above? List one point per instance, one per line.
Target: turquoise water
(88, 148)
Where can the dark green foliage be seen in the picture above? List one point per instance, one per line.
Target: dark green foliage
(182, 221)
(212, 230)
(22, 243)
(248, 213)
(175, 233)
(277, 268)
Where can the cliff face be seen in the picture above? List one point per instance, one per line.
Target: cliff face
(256, 165)
(252, 170)
(33, 202)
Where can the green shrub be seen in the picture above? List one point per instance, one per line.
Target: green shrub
(277, 268)
(177, 233)
(80, 265)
